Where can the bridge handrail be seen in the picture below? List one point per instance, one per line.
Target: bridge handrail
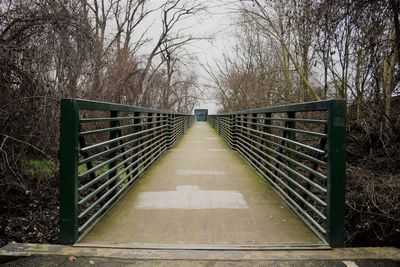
(104, 148)
(300, 150)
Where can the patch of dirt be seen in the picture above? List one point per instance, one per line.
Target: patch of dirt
(373, 186)
(29, 211)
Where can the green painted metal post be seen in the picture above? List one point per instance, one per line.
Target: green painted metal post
(336, 172)
(233, 131)
(158, 124)
(149, 126)
(245, 125)
(112, 164)
(254, 120)
(267, 129)
(69, 147)
(170, 130)
(219, 125)
(292, 136)
(136, 128)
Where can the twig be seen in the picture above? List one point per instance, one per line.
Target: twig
(28, 97)
(8, 162)
(23, 142)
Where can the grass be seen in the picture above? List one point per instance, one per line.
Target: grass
(82, 169)
(39, 168)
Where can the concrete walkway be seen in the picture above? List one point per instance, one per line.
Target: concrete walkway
(200, 194)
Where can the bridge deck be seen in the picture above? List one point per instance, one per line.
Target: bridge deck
(200, 193)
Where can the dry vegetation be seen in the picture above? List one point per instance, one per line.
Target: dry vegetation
(285, 51)
(85, 49)
(303, 50)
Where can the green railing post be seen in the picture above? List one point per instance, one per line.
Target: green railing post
(253, 135)
(158, 120)
(233, 131)
(170, 129)
(267, 129)
(244, 124)
(150, 122)
(136, 128)
(69, 146)
(219, 125)
(112, 135)
(336, 172)
(292, 136)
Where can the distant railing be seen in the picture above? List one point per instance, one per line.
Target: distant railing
(104, 148)
(300, 150)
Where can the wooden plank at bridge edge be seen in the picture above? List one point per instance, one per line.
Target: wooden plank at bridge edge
(361, 253)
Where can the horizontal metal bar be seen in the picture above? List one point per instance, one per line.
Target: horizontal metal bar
(112, 179)
(119, 138)
(312, 195)
(103, 175)
(285, 139)
(97, 105)
(92, 119)
(287, 197)
(111, 129)
(296, 120)
(315, 160)
(284, 193)
(95, 203)
(105, 152)
(313, 121)
(109, 202)
(104, 163)
(322, 189)
(321, 135)
(175, 139)
(302, 107)
(305, 167)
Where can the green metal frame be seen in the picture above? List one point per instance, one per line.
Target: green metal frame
(115, 150)
(201, 114)
(300, 150)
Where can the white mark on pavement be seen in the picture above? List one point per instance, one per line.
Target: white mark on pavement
(187, 188)
(211, 138)
(350, 263)
(191, 197)
(199, 172)
(218, 149)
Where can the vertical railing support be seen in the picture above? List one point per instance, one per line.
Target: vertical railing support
(245, 125)
(113, 135)
(149, 126)
(233, 131)
(251, 134)
(292, 136)
(267, 129)
(336, 172)
(136, 128)
(169, 131)
(69, 147)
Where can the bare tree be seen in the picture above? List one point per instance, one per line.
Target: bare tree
(172, 13)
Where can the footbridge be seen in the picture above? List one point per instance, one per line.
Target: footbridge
(143, 178)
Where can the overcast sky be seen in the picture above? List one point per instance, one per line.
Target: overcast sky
(216, 22)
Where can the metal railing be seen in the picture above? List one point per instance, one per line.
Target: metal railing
(300, 150)
(104, 148)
